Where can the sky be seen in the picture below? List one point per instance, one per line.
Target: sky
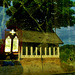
(67, 34)
(73, 0)
(3, 19)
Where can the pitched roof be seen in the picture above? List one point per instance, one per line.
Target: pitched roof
(37, 37)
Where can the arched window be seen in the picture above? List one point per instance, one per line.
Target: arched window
(15, 44)
(8, 44)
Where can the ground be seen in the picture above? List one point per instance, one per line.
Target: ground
(11, 70)
(36, 67)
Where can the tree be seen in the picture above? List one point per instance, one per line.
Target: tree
(5, 3)
(40, 15)
(67, 52)
(74, 4)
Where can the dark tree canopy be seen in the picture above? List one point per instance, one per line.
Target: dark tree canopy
(40, 15)
(5, 3)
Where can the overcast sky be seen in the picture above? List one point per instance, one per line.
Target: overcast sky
(67, 34)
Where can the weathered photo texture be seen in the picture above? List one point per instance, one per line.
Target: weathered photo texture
(37, 37)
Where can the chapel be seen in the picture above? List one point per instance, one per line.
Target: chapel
(32, 44)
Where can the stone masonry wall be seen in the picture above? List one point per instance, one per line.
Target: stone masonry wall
(39, 60)
(37, 65)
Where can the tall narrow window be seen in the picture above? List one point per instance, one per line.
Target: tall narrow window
(8, 44)
(15, 44)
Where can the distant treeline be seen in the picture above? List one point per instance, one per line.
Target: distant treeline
(67, 53)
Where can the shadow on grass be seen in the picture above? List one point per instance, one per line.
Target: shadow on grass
(7, 68)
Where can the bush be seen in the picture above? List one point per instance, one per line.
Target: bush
(63, 56)
(67, 52)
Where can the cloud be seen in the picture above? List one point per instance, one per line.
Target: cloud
(67, 34)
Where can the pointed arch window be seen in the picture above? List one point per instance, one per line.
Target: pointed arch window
(8, 44)
(15, 44)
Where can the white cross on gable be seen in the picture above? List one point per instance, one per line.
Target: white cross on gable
(12, 32)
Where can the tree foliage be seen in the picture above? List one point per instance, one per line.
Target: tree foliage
(40, 15)
(74, 4)
(67, 52)
(5, 3)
